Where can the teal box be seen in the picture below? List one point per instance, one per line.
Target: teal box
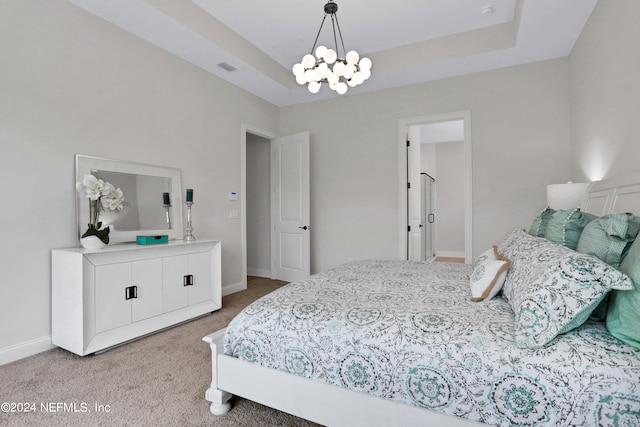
(152, 240)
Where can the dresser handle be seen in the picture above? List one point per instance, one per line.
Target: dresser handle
(130, 292)
(187, 280)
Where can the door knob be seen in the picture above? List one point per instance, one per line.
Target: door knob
(304, 227)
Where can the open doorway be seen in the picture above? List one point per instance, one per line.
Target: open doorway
(424, 150)
(260, 139)
(258, 206)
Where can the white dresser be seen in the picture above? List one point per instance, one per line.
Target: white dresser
(102, 298)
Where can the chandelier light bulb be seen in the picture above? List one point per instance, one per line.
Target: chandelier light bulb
(341, 88)
(320, 51)
(298, 70)
(323, 70)
(333, 78)
(314, 87)
(358, 78)
(338, 68)
(366, 74)
(330, 56)
(308, 61)
(301, 80)
(352, 57)
(349, 71)
(365, 64)
(311, 75)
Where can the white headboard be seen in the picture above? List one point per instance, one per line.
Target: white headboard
(616, 195)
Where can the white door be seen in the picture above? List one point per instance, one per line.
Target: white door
(290, 213)
(414, 211)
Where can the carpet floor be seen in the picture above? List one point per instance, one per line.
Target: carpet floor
(159, 380)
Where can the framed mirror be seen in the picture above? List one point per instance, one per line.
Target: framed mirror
(146, 189)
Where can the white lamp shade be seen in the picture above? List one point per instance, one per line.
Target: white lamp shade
(566, 196)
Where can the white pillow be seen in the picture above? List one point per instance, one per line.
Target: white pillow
(488, 274)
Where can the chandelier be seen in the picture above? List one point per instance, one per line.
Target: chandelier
(327, 67)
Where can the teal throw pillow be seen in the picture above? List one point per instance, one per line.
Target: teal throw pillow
(623, 314)
(608, 236)
(539, 224)
(565, 227)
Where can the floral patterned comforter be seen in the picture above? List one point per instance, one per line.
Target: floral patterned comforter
(408, 331)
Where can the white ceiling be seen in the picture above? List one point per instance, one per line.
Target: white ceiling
(409, 41)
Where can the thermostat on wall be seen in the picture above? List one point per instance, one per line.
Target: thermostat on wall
(233, 195)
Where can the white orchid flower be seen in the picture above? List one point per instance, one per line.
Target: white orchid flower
(114, 200)
(91, 187)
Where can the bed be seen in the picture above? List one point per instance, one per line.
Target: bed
(381, 342)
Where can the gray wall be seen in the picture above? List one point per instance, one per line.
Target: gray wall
(605, 92)
(450, 199)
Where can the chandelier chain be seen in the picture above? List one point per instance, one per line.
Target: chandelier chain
(318, 35)
(344, 51)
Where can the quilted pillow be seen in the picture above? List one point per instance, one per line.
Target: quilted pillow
(539, 224)
(565, 226)
(608, 236)
(623, 314)
(488, 274)
(553, 289)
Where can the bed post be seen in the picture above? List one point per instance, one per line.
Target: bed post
(219, 399)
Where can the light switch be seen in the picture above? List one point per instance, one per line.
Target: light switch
(233, 213)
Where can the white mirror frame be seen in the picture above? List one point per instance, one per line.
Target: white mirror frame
(86, 164)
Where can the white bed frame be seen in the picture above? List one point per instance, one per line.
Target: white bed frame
(335, 406)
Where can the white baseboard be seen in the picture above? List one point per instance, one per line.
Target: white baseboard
(25, 349)
(233, 288)
(259, 272)
(450, 254)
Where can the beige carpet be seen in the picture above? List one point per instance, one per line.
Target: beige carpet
(159, 380)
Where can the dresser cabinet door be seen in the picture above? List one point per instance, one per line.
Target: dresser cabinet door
(175, 294)
(146, 276)
(181, 291)
(200, 268)
(115, 306)
(112, 308)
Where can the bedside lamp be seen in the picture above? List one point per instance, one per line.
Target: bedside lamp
(566, 196)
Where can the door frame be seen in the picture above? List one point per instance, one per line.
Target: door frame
(244, 129)
(403, 126)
